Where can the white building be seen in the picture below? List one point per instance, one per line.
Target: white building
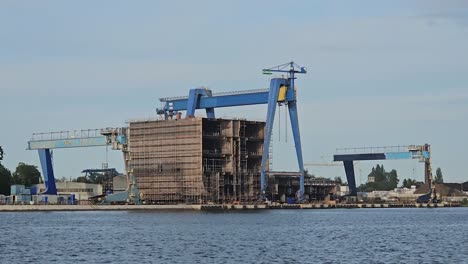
(82, 191)
(342, 190)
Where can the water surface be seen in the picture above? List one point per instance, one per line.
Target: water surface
(406, 235)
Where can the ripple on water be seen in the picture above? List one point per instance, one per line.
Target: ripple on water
(289, 236)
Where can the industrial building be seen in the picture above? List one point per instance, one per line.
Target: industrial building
(81, 191)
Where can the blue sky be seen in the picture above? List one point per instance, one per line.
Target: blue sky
(380, 72)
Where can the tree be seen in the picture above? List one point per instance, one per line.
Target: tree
(392, 179)
(63, 179)
(384, 181)
(95, 178)
(307, 174)
(408, 182)
(83, 179)
(26, 175)
(338, 180)
(5, 180)
(439, 178)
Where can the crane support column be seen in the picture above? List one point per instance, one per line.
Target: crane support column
(193, 102)
(47, 171)
(275, 85)
(350, 177)
(292, 106)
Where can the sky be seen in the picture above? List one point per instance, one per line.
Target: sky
(380, 73)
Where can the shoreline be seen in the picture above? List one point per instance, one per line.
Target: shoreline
(204, 207)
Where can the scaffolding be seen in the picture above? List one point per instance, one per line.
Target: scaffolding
(196, 160)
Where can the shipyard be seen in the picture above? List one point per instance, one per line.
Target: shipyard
(233, 131)
(182, 159)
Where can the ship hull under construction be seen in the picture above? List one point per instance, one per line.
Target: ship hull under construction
(196, 160)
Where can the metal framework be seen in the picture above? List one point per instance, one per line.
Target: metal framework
(108, 176)
(114, 137)
(281, 91)
(419, 152)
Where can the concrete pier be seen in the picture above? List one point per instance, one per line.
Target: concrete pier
(18, 208)
(205, 207)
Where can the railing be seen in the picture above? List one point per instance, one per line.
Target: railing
(168, 99)
(384, 149)
(86, 133)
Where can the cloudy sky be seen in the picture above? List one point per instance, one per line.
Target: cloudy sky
(380, 72)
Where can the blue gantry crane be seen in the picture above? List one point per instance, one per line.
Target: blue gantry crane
(281, 91)
(419, 152)
(44, 143)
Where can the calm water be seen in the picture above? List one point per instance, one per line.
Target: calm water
(276, 236)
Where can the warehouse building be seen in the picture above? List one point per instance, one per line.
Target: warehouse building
(81, 191)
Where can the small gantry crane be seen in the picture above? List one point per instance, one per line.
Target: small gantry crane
(420, 152)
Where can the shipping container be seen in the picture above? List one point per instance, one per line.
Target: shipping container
(17, 189)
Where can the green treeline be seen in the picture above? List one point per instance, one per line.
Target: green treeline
(24, 174)
(383, 180)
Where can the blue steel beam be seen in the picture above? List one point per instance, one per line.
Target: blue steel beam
(407, 155)
(67, 143)
(364, 156)
(381, 156)
(214, 101)
(219, 101)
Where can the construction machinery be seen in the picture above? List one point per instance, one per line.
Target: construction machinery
(105, 175)
(282, 91)
(44, 143)
(420, 152)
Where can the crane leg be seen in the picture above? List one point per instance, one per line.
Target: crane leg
(210, 113)
(350, 177)
(292, 106)
(192, 102)
(47, 171)
(272, 102)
